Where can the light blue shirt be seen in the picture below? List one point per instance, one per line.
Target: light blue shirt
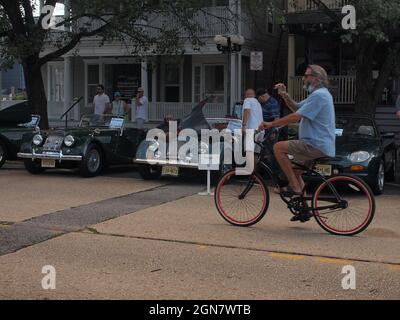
(317, 126)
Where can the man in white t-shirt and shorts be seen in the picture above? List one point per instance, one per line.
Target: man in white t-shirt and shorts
(101, 102)
(252, 115)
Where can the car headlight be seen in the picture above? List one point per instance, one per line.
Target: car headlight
(37, 140)
(154, 146)
(69, 141)
(203, 148)
(359, 156)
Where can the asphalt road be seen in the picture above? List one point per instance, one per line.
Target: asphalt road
(119, 237)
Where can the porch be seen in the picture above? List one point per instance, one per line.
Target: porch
(342, 88)
(296, 6)
(157, 110)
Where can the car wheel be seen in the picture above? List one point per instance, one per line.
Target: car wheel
(33, 166)
(92, 162)
(392, 175)
(3, 154)
(379, 180)
(148, 172)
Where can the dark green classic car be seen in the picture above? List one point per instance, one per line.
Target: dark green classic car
(97, 142)
(16, 125)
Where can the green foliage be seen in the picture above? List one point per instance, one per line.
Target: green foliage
(378, 21)
(143, 26)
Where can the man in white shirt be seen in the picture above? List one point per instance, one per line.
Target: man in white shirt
(101, 101)
(252, 118)
(142, 109)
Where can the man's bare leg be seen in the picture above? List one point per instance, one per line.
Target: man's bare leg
(299, 177)
(281, 150)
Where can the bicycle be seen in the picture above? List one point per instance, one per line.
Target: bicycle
(341, 204)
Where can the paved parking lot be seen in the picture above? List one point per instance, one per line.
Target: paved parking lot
(117, 236)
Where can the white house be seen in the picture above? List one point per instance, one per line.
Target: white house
(173, 84)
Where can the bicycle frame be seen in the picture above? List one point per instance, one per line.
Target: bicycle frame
(266, 167)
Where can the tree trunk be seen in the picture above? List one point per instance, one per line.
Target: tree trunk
(365, 91)
(36, 92)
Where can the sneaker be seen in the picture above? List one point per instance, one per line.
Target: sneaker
(303, 217)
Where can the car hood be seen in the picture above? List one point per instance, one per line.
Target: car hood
(348, 145)
(73, 131)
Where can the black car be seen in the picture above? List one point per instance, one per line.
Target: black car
(16, 125)
(362, 151)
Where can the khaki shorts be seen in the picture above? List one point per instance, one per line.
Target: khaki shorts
(303, 153)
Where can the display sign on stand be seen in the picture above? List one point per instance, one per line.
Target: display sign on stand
(208, 162)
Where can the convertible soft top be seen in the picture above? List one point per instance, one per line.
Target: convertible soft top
(16, 114)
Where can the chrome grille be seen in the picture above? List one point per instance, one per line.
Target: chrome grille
(53, 143)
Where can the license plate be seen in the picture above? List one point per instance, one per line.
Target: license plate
(324, 169)
(170, 171)
(48, 163)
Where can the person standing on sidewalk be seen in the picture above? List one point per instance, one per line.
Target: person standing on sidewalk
(252, 117)
(142, 108)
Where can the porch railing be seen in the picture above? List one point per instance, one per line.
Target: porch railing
(210, 21)
(307, 5)
(343, 89)
(178, 110)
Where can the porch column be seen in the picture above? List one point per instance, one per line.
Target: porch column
(154, 84)
(291, 62)
(144, 72)
(1, 86)
(67, 13)
(239, 77)
(68, 85)
(233, 81)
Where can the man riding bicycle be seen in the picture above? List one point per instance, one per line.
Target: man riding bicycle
(316, 115)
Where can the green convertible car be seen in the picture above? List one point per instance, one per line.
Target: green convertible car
(97, 142)
(16, 126)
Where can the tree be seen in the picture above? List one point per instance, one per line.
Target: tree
(376, 42)
(144, 26)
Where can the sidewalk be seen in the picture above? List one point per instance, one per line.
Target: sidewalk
(183, 249)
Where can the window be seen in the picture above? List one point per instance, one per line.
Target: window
(214, 78)
(93, 81)
(172, 77)
(56, 82)
(270, 21)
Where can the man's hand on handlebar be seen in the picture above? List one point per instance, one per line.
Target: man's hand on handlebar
(265, 126)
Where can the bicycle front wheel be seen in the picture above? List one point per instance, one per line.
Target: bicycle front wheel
(241, 200)
(349, 216)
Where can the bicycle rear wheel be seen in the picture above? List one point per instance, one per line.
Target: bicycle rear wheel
(357, 211)
(241, 200)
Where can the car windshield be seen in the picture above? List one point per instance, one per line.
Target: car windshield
(32, 124)
(348, 127)
(107, 121)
